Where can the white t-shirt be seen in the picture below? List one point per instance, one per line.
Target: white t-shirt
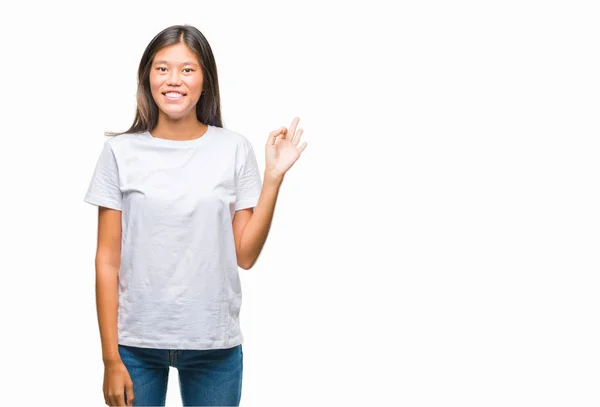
(179, 286)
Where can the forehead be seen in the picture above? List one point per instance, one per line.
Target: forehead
(177, 54)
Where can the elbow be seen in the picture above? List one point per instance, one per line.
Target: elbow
(246, 264)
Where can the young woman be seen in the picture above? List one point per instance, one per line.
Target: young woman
(181, 206)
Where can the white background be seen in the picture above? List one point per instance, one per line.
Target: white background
(435, 245)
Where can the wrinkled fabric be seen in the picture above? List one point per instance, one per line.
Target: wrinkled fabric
(179, 286)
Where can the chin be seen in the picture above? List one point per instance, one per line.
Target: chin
(175, 115)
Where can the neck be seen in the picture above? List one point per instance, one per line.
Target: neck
(179, 129)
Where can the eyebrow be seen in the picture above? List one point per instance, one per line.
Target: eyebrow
(162, 61)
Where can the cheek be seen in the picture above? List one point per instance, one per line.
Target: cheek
(155, 90)
(153, 84)
(194, 85)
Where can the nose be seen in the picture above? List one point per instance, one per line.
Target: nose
(173, 78)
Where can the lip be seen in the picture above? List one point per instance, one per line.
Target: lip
(170, 99)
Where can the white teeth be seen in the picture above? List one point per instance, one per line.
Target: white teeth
(173, 95)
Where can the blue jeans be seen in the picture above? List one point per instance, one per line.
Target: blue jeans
(211, 377)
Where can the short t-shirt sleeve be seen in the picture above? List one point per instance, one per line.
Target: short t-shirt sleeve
(248, 183)
(104, 187)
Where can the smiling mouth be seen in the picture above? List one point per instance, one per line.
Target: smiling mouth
(173, 95)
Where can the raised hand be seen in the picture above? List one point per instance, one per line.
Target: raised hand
(282, 150)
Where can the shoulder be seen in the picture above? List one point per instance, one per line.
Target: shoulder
(231, 137)
(123, 141)
(124, 138)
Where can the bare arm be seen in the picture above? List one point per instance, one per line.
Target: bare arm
(251, 227)
(108, 260)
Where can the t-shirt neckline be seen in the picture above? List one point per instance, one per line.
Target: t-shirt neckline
(180, 143)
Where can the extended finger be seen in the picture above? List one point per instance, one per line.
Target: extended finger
(302, 147)
(297, 136)
(293, 126)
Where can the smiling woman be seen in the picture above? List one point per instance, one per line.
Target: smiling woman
(176, 194)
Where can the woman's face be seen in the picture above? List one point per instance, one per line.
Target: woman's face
(176, 81)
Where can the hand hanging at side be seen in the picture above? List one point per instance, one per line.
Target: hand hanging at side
(282, 150)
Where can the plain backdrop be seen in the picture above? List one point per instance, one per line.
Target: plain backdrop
(435, 245)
